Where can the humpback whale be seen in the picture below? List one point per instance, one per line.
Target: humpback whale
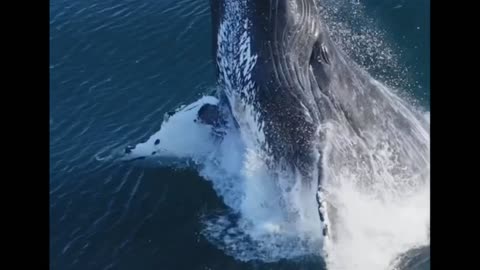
(275, 63)
(280, 78)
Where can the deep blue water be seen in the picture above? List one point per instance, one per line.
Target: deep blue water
(115, 68)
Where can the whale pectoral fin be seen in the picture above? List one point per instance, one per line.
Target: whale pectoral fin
(130, 153)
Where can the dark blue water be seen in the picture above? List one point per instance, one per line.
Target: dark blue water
(115, 68)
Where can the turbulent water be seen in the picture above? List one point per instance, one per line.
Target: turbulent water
(376, 180)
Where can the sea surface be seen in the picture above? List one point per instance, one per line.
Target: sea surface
(116, 67)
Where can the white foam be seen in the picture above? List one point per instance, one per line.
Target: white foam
(372, 232)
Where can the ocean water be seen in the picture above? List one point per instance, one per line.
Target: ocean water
(116, 67)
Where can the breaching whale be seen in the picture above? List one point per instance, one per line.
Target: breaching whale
(280, 77)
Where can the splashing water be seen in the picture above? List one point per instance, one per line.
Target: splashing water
(378, 185)
(378, 188)
(376, 178)
(378, 206)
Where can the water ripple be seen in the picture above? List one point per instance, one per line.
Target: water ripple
(124, 180)
(110, 87)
